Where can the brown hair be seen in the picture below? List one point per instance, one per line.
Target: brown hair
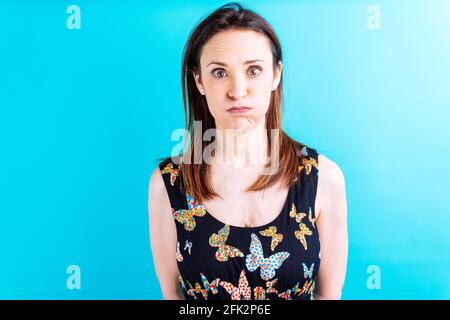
(196, 177)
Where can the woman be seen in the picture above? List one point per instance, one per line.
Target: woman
(223, 227)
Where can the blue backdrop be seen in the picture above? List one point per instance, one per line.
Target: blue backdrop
(90, 94)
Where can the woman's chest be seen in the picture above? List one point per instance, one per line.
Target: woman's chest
(241, 208)
(275, 256)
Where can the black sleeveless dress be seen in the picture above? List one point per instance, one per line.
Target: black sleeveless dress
(278, 260)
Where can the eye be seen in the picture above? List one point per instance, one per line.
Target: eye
(218, 73)
(254, 70)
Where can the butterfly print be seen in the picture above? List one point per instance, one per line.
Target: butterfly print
(179, 255)
(218, 261)
(191, 291)
(287, 294)
(243, 289)
(302, 233)
(298, 216)
(259, 293)
(307, 272)
(256, 259)
(308, 164)
(198, 289)
(188, 246)
(224, 251)
(210, 286)
(270, 288)
(313, 221)
(173, 172)
(186, 217)
(304, 152)
(308, 287)
(180, 280)
(276, 237)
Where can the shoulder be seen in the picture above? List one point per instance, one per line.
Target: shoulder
(156, 181)
(162, 178)
(330, 186)
(330, 172)
(168, 163)
(156, 186)
(159, 206)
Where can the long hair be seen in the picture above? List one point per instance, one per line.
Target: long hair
(196, 176)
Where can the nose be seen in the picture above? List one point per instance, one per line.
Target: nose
(238, 88)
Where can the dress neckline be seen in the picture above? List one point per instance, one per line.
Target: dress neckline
(263, 226)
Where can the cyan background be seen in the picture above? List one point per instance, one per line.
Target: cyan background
(84, 113)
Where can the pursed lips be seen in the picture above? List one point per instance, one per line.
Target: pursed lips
(239, 109)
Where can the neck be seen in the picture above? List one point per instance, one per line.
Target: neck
(241, 148)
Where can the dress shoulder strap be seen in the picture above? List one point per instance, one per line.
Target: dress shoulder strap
(172, 177)
(309, 161)
(309, 174)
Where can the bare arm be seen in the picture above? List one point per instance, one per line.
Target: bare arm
(332, 227)
(163, 238)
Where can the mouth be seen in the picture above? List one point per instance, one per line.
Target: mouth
(239, 109)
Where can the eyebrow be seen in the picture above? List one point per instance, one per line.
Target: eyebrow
(225, 65)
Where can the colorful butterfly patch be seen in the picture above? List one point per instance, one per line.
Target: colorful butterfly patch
(270, 288)
(298, 216)
(180, 280)
(288, 294)
(307, 272)
(213, 286)
(313, 221)
(191, 291)
(243, 289)
(186, 217)
(304, 152)
(256, 259)
(259, 293)
(188, 246)
(308, 287)
(173, 172)
(198, 289)
(179, 255)
(224, 251)
(308, 164)
(302, 233)
(276, 237)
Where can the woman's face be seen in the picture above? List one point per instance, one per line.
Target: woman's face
(236, 70)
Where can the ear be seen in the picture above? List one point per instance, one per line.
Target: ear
(198, 82)
(277, 76)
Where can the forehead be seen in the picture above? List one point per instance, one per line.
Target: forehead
(236, 46)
